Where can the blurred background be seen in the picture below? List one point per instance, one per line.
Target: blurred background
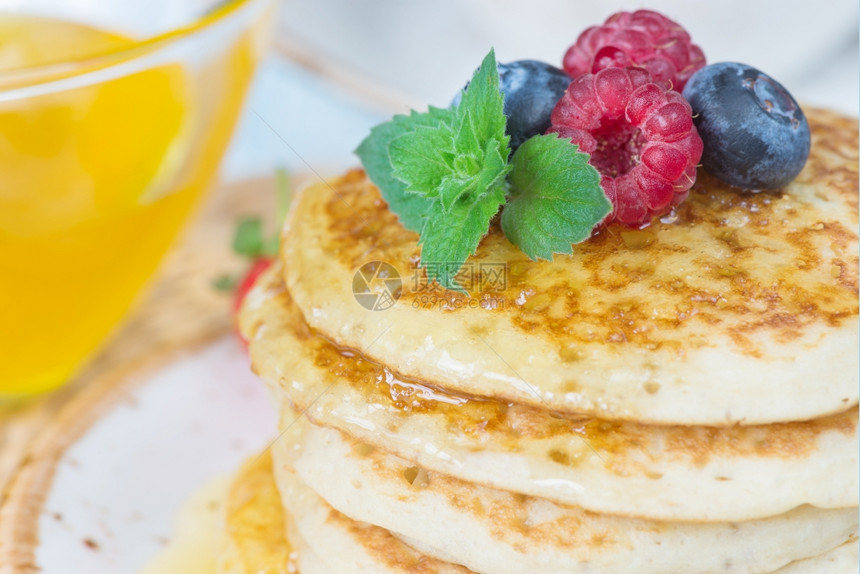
(340, 66)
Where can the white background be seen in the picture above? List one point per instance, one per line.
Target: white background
(420, 52)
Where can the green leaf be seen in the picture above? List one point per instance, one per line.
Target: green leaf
(248, 240)
(410, 208)
(443, 172)
(484, 104)
(225, 283)
(423, 158)
(555, 197)
(449, 237)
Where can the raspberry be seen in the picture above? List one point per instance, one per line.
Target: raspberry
(640, 136)
(644, 38)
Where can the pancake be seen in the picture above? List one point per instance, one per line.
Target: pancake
(256, 475)
(345, 545)
(676, 399)
(705, 318)
(497, 532)
(841, 560)
(307, 561)
(624, 468)
(254, 540)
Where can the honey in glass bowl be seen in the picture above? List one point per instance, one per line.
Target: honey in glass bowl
(107, 142)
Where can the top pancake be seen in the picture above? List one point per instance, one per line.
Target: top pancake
(742, 309)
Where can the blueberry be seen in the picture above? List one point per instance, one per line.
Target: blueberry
(755, 135)
(531, 89)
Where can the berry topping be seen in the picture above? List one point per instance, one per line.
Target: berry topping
(257, 268)
(640, 136)
(259, 248)
(643, 38)
(531, 90)
(755, 135)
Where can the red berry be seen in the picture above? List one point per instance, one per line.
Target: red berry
(643, 38)
(257, 268)
(640, 136)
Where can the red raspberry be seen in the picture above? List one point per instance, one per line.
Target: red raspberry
(640, 136)
(643, 38)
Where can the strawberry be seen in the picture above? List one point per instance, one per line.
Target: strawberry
(257, 267)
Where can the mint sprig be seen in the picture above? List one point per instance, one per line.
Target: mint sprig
(445, 173)
(411, 208)
(250, 239)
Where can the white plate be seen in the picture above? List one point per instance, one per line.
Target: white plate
(117, 489)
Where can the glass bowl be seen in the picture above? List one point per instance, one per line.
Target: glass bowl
(113, 119)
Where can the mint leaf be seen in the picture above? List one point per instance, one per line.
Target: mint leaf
(423, 158)
(484, 104)
(443, 172)
(555, 197)
(449, 237)
(225, 283)
(410, 208)
(248, 240)
(444, 164)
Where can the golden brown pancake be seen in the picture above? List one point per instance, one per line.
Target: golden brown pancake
(680, 398)
(668, 472)
(741, 308)
(255, 516)
(250, 510)
(254, 539)
(494, 531)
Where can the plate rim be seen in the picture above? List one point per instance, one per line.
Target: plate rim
(23, 500)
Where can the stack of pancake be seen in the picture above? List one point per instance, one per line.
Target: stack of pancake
(675, 399)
